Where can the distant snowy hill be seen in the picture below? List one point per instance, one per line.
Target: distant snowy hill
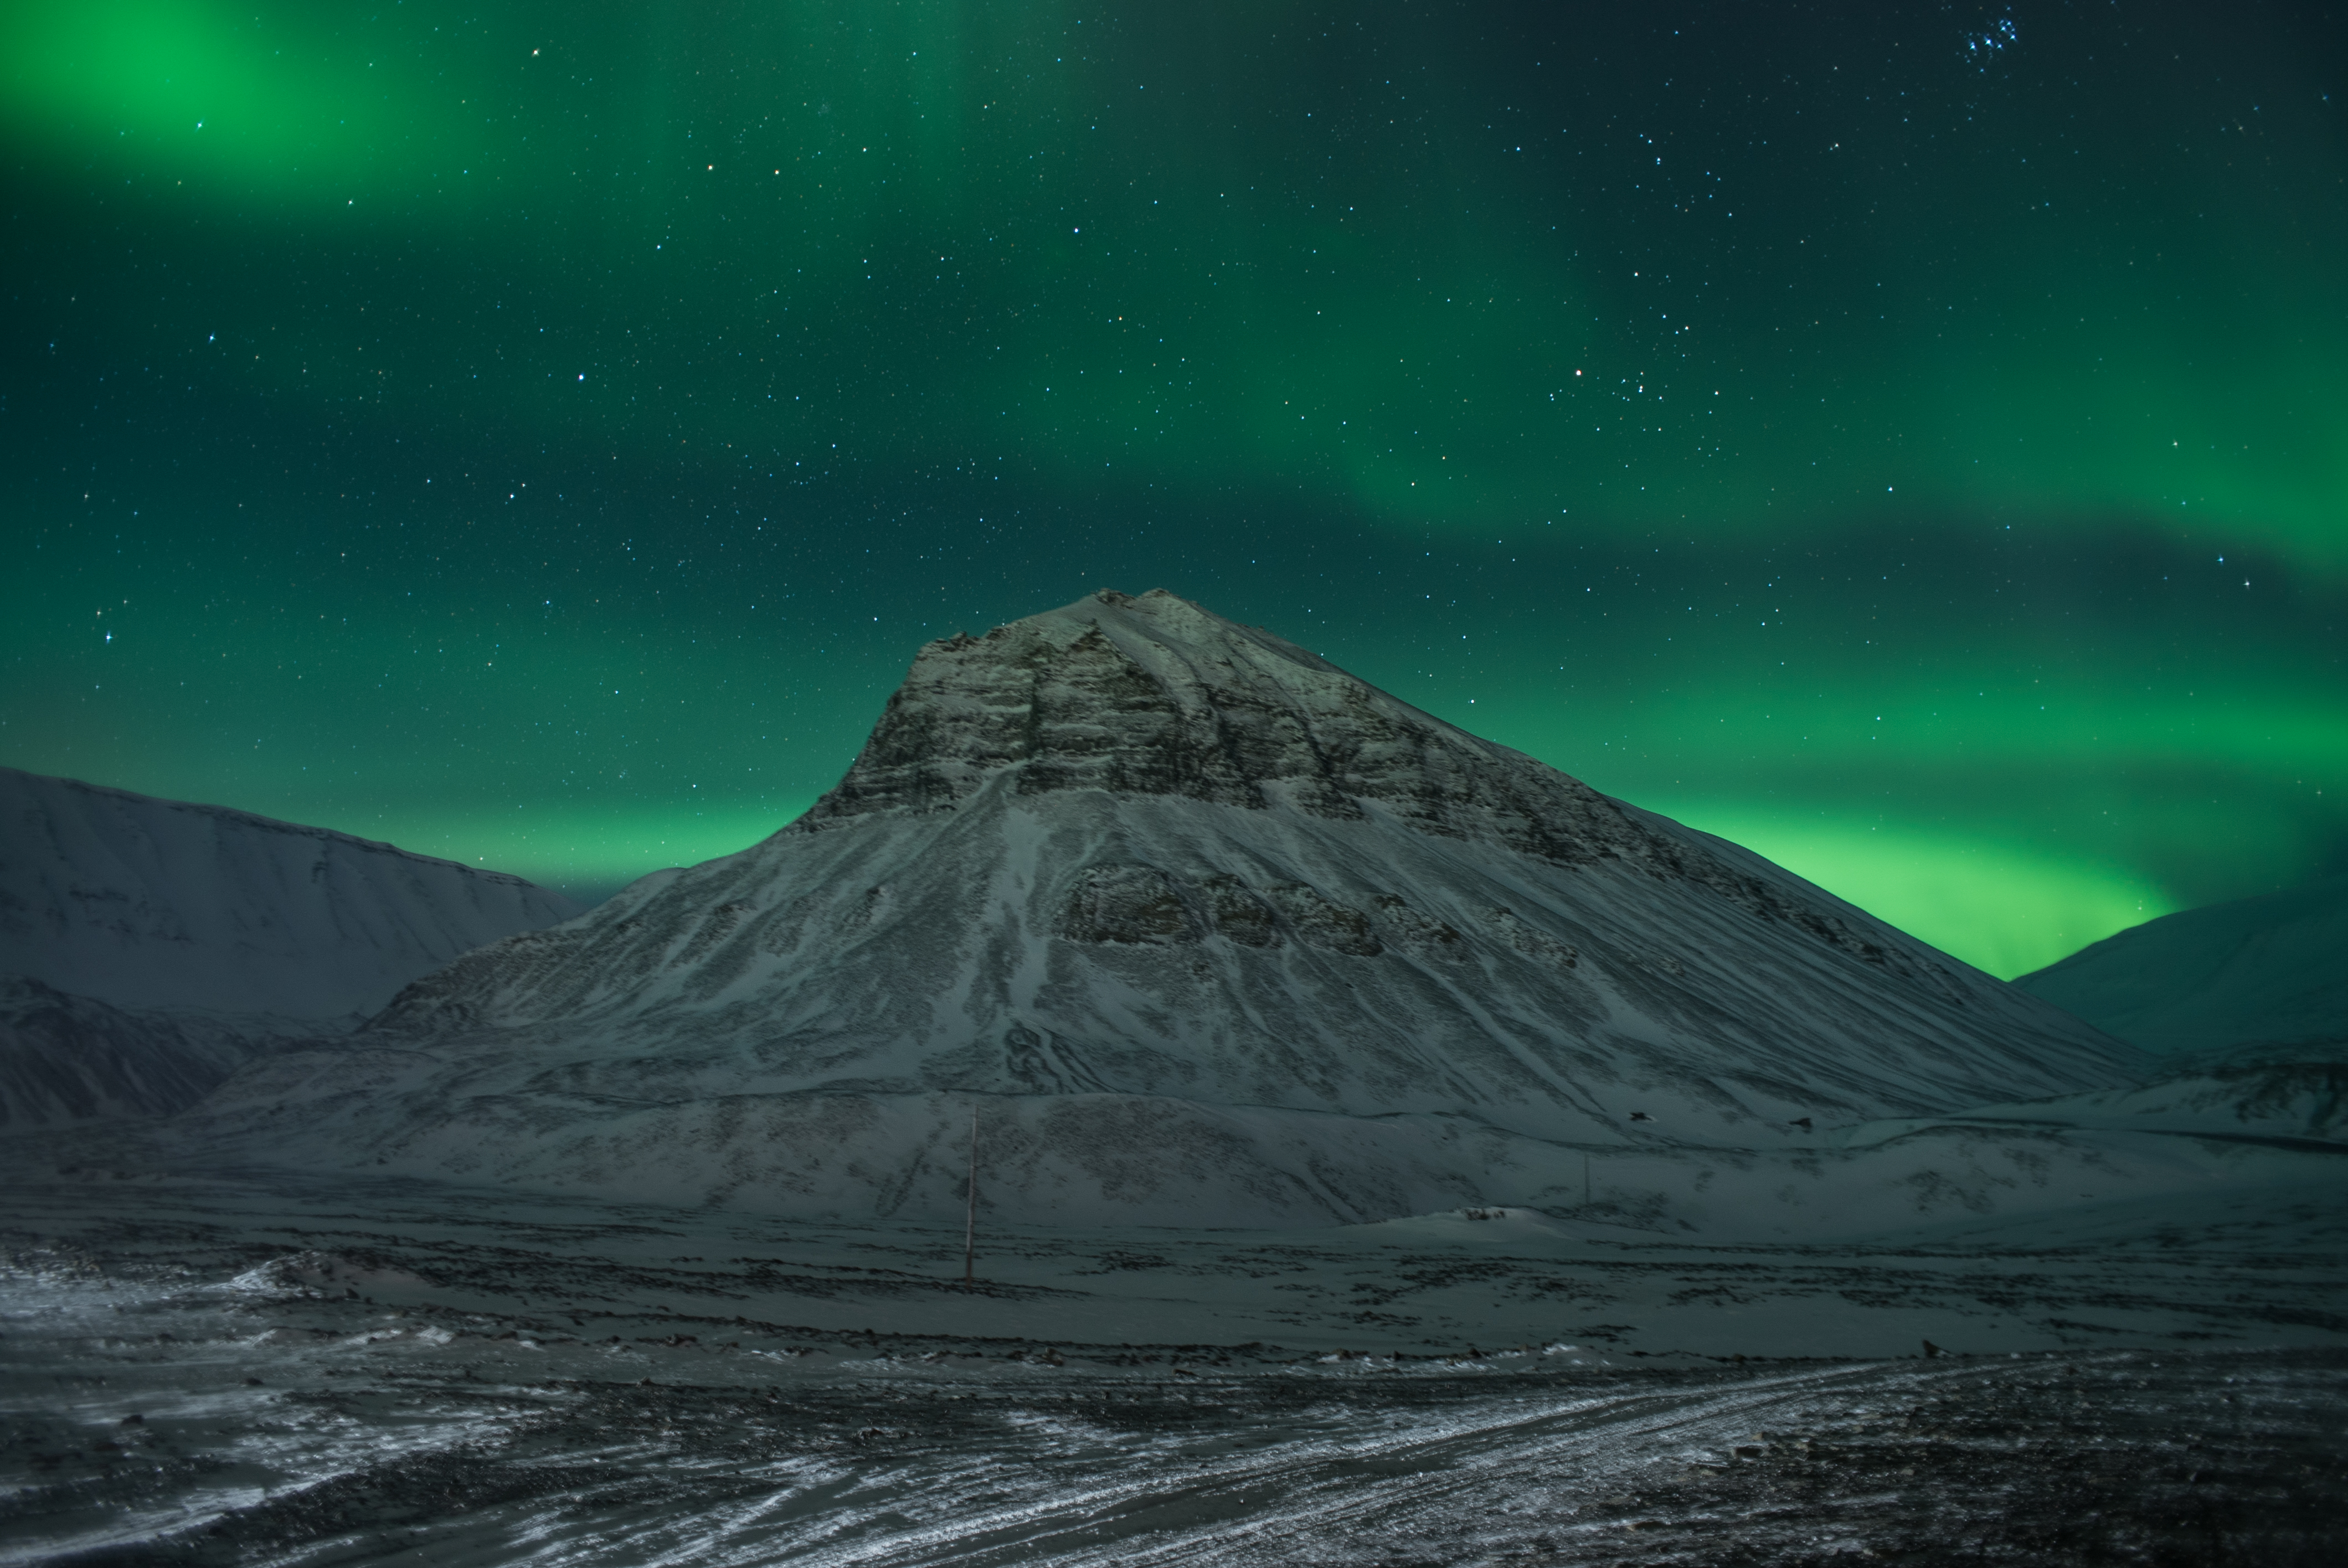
(66, 1058)
(147, 903)
(1211, 931)
(2256, 1094)
(148, 947)
(2272, 969)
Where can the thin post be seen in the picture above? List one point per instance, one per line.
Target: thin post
(970, 1221)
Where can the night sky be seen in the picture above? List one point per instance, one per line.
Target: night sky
(1909, 439)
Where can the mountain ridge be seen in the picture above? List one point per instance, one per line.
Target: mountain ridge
(142, 902)
(2269, 970)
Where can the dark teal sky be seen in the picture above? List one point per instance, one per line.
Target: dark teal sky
(1911, 439)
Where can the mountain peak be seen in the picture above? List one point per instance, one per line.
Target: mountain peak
(1215, 931)
(1156, 696)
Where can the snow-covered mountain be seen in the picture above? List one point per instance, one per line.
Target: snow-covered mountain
(150, 947)
(66, 1058)
(2270, 969)
(1210, 931)
(2266, 1095)
(145, 903)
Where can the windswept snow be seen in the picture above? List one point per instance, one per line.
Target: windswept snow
(359, 1371)
(1388, 1149)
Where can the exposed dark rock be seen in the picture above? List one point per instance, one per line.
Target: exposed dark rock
(1239, 914)
(67, 1058)
(1325, 924)
(1127, 904)
(1202, 709)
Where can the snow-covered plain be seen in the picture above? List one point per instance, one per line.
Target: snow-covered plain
(375, 1370)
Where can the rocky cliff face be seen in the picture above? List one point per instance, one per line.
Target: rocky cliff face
(1157, 696)
(1213, 931)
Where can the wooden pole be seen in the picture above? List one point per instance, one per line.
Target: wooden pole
(970, 1221)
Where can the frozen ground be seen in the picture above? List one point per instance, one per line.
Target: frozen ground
(244, 1371)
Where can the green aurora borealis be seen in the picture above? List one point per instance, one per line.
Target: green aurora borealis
(1911, 440)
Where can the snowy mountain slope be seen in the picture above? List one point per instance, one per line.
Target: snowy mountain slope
(1215, 932)
(146, 903)
(66, 1058)
(2274, 968)
(2290, 1097)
